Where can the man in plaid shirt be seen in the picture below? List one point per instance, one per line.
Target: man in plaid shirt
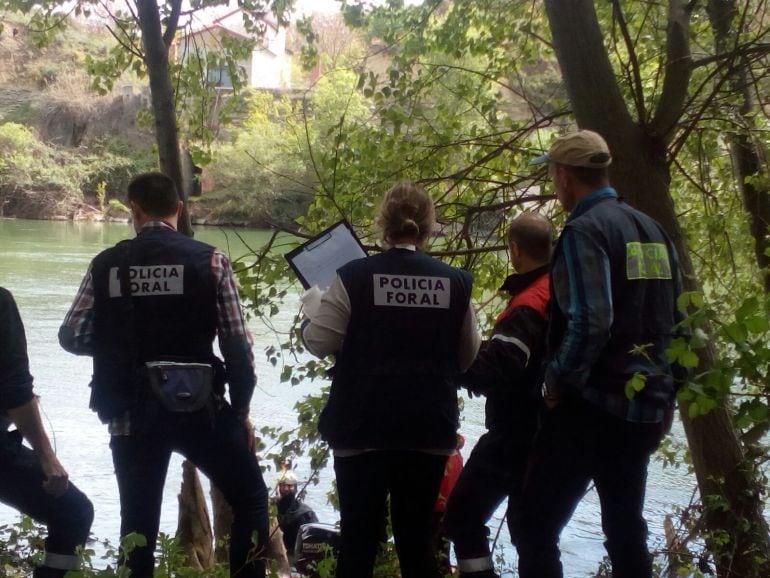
(164, 297)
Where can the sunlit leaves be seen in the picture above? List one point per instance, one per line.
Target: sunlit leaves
(740, 373)
(634, 385)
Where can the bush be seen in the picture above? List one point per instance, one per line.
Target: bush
(28, 163)
(263, 175)
(65, 175)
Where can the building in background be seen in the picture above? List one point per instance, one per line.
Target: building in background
(267, 67)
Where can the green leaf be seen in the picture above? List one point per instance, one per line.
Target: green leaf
(636, 384)
(131, 541)
(736, 332)
(688, 359)
(758, 411)
(747, 309)
(757, 324)
(687, 298)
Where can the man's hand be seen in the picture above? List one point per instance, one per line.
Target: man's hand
(56, 477)
(28, 422)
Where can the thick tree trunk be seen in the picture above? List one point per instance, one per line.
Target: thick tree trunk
(640, 172)
(162, 93)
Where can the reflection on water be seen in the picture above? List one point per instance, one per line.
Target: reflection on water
(42, 263)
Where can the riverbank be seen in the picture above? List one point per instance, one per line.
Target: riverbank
(39, 206)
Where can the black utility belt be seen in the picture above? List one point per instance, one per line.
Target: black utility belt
(182, 387)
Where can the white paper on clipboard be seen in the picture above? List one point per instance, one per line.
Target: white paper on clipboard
(316, 261)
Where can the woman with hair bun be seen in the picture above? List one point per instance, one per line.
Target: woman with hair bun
(401, 326)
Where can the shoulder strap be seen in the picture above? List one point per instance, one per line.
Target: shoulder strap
(124, 273)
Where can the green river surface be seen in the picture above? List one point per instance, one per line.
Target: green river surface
(42, 264)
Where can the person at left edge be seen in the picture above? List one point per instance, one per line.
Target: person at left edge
(402, 328)
(33, 480)
(183, 295)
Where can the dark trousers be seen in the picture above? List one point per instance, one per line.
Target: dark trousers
(364, 482)
(578, 442)
(67, 517)
(220, 450)
(494, 471)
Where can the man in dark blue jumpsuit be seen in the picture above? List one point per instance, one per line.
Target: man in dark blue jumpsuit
(33, 481)
(508, 371)
(163, 297)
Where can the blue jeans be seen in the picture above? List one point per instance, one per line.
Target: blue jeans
(220, 449)
(67, 517)
(576, 443)
(364, 482)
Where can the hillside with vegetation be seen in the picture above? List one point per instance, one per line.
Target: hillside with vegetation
(67, 151)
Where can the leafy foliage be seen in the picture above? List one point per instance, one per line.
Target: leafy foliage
(28, 163)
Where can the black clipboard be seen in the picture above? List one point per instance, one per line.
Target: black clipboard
(316, 260)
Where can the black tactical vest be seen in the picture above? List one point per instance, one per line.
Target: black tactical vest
(393, 386)
(171, 314)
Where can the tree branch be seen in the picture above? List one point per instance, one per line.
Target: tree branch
(121, 24)
(636, 75)
(172, 23)
(753, 49)
(678, 70)
(130, 48)
(579, 44)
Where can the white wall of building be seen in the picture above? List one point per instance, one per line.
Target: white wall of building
(270, 64)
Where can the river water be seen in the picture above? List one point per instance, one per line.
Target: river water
(42, 264)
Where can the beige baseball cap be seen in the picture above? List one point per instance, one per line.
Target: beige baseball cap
(583, 148)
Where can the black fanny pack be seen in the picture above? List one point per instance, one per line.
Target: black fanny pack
(182, 387)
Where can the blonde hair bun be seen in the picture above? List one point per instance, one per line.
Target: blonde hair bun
(407, 214)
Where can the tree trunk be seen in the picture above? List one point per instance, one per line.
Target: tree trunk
(276, 551)
(749, 156)
(223, 522)
(640, 171)
(194, 528)
(162, 94)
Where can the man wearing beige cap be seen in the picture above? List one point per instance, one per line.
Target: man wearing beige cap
(614, 287)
